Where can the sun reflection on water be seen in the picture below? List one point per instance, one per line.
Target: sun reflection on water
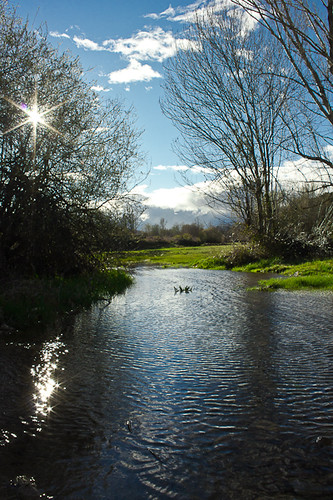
(45, 379)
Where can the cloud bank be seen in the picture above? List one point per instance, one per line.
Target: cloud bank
(178, 205)
(184, 204)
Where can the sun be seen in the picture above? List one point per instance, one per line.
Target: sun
(35, 117)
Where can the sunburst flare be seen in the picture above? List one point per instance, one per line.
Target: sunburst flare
(34, 117)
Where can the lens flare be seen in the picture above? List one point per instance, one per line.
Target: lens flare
(35, 117)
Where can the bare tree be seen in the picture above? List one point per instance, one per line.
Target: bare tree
(304, 29)
(226, 98)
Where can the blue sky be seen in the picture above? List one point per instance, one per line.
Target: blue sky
(122, 46)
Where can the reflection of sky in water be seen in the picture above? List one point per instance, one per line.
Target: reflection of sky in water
(45, 378)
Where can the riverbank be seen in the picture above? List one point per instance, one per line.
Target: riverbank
(313, 275)
(32, 302)
(316, 274)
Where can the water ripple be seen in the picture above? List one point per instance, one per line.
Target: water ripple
(220, 393)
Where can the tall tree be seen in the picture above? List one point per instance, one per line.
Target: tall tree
(227, 100)
(304, 29)
(63, 153)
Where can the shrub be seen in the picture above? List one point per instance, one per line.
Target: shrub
(242, 255)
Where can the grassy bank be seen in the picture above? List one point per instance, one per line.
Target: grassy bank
(317, 274)
(313, 275)
(31, 302)
(207, 257)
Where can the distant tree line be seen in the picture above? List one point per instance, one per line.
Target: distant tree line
(194, 234)
(65, 158)
(254, 92)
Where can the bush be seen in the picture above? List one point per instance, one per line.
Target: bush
(293, 245)
(242, 255)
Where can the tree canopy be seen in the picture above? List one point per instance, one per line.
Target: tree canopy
(64, 154)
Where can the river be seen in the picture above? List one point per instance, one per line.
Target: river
(218, 393)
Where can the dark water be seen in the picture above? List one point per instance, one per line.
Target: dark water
(219, 393)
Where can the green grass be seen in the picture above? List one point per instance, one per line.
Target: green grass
(273, 265)
(313, 282)
(205, 257)
(312, 275)
(32, 302)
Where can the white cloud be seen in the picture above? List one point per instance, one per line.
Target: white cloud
(178, 198)
(146, 45)
(294, 174)
(56, 34)
(153, 215)
(199, 9)
(169, 12)
(173, 14)
(135, 72)
(188, 13)
(182, 198)
(154, 45)
(87, 44)
(99, 88)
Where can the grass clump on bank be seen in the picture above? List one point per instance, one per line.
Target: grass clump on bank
(324, 282)
(218, 257)
(39, 301)
(314, 275)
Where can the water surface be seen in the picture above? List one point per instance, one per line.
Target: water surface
(219, 393)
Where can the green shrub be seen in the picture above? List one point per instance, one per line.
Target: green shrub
(27, 303)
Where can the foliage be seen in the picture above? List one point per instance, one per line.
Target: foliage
(32, 302)
(158, 235)
(243, 254)
(304, 225)
(58, 170)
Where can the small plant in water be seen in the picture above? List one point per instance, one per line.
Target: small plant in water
(186, 289)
